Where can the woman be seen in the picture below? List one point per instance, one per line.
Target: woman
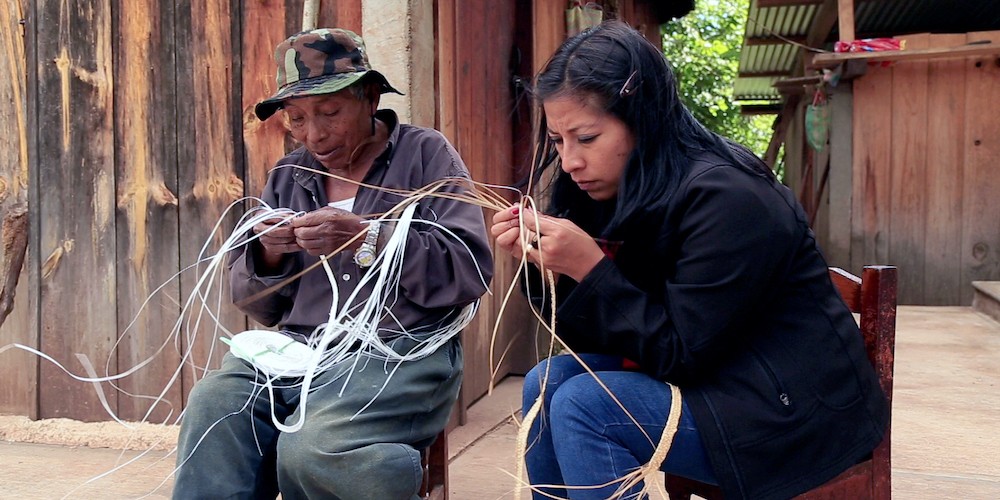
(680, 259)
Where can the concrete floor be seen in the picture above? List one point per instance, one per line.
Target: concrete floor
(945, 429)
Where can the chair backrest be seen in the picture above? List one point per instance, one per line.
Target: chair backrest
(874, 298)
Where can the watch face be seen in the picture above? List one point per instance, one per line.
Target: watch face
(364, 257)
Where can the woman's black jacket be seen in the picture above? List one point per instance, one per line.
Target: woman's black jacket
(726, 295)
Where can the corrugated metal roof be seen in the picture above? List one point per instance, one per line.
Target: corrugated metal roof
(766, 58)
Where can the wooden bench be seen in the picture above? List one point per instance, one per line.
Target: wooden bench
(874, 298)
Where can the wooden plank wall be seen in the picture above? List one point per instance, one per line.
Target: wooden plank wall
(139, 139)
(209, 172)
(147, 207)
(77, 237)
(926, 190)
(475, 109)
(140, 135)
(980, 249)
(908, 137)
(17, 393)
(945, 162)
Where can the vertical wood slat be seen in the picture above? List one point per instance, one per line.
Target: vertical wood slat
(481, 110)
(550, 30)
(640, 15)
(517, 321)
(77, 237)
(17, 394)
(341, 14)
(146, 173)
(795, 144)
(838, 245)
(471, 39)
(264, 28)
(872, 161)
(845, 20)
(447, 76)
(945, 164)
(210, 178)
(499, 169)
(907, 208)
(981, 180)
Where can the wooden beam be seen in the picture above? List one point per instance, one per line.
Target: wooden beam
(845, 20)
(761, 4)
(780, 127)
(773, 40)
(827, 60)
(763, 74)
(792, 84)
(310, 14)
(760, 109)
(823, 23)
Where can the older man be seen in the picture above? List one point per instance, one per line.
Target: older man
(361, 429)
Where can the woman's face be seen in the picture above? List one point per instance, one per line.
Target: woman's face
(593, 144)
(330, 126)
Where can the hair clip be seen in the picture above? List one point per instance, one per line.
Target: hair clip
(628, 88)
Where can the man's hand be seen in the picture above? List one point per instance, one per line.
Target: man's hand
(276, 236)
(327, 229)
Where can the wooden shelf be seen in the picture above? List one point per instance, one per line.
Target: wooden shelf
(827, 60)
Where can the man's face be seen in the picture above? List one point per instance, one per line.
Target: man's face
(330, 126)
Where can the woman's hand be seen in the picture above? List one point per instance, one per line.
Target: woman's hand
(325, 230)
(552, 243)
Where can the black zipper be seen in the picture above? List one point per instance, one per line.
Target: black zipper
(782, 394)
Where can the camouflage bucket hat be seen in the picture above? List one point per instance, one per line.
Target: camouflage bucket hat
(321, 61)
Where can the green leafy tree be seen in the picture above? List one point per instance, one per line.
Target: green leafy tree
(703, 48)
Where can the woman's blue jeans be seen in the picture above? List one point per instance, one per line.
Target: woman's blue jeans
(582, 438)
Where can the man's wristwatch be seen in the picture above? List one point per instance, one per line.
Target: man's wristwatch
(364, 256)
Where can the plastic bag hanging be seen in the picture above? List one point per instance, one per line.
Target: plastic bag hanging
(580, 16)
(818, 121)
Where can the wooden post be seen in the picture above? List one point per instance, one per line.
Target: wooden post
(310, 15)
(845, 20)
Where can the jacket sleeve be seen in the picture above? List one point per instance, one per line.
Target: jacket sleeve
(247, 283)
(733, 239)
(439, 271)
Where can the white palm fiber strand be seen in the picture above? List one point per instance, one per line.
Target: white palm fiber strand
(339, 338)
(353, 333)
(201, 305)
(92, 378)
(199, 309)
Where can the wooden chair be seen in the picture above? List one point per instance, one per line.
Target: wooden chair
(874, 298)
(434, 460)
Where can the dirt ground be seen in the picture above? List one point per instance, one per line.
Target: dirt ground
(72, 433)
(944, 441)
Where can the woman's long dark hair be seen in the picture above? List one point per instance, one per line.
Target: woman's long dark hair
(614, 66)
